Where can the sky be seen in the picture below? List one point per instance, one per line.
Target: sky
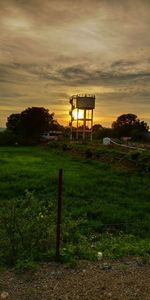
(52, 49)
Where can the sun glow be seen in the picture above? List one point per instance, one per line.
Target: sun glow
(78, 114)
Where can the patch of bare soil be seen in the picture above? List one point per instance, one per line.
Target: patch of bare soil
(117, 280)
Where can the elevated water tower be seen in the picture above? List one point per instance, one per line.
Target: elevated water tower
(81, 114)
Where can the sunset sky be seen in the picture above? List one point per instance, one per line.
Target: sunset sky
(52, 49)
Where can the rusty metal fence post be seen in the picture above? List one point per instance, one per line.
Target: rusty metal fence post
(58, 222)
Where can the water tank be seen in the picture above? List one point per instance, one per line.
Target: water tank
(85, 101)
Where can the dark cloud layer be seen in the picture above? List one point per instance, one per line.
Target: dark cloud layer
(112, 75)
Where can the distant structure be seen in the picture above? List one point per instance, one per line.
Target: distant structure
(81, 114)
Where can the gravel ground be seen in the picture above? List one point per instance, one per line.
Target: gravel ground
(117, 280)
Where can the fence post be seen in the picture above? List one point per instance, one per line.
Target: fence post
(58, 224)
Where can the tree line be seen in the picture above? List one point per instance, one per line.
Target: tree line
(28, 126)
(126, 125)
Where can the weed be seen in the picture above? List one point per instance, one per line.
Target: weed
(88, 153)
(25, 265)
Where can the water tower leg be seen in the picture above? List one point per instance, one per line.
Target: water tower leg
(84, 124)
(77, 133)
(91, 124)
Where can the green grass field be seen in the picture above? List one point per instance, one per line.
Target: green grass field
(105, 208)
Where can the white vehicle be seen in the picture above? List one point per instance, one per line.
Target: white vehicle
(52, 135)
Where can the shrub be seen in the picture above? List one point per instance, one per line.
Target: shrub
(65, 147)
(88, 153)
(141, 160)
(26, 230)
(7, 138)
(53, 144)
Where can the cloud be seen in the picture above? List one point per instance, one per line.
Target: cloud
(118, 73)
(109, 76)
(51, 49)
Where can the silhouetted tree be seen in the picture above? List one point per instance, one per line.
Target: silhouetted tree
(56, 126)
(97, 128)
(7, 138)
(30, 123)
(129, 125)
(13, 123)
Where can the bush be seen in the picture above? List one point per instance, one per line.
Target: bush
(53, 144)
(7, 138)
(141, 160)
(65, 147)
(88, 153)
(26, 230)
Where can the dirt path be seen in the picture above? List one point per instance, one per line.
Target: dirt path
(119, 280)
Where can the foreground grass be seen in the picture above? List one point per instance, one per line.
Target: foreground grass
(104, 208)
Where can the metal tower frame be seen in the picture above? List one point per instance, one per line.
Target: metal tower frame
(86, 103)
